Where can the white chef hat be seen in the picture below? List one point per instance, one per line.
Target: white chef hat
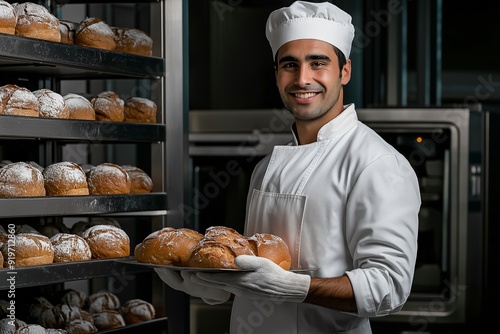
(306, 20)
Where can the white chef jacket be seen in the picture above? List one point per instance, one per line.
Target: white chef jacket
(345, 204)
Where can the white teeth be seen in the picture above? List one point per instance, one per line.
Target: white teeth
(304, 95)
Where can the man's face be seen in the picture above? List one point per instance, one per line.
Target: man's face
(309, 79)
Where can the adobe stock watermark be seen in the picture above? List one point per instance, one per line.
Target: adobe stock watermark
(11, 273)
(483, 91)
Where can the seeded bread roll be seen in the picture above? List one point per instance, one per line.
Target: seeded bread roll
(20, 179)
(8, 18)
(140, 110)
(108, 106)
(35, 21)
(79, 107)
(106, 241)
(18, 101)
(51, 104)
(70, 248)
(140, 182)
(94, 32)
(137, 310)
(31, 249)
(108, 179)
(65, 179)
(219, 247)
(168, 246)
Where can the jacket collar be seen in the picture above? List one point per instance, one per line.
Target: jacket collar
(345, 121)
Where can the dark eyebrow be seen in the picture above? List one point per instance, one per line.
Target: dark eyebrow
(308, 57)
(318, 57)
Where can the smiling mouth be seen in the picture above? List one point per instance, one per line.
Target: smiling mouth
(305, 95)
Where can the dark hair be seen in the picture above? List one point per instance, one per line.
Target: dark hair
(340, 56)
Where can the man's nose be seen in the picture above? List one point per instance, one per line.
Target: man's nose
(304, 76)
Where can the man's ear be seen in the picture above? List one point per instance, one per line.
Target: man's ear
(346, 72)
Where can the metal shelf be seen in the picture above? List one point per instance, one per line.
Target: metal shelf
(154, 204)
(22, 56)
(50, 128)
(68, 271)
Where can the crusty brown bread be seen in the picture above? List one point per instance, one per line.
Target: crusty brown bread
(65, 178)
(168, 246)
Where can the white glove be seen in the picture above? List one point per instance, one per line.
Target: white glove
(262, 279)
(183, 282)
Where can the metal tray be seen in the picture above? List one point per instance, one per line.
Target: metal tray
(50, 128)
(133, 261)
(153, 326)
(27, 56)
(152, 204)
(68, 271)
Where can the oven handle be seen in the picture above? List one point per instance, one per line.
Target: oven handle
(235, 144)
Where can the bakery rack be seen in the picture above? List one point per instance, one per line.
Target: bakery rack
(22, 57)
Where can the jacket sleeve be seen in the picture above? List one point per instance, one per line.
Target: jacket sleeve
(381, 231)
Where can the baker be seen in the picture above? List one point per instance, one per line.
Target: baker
(344, 200)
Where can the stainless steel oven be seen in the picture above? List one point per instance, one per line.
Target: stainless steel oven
(452, 151)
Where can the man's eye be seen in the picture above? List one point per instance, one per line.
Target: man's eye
(289, 65)
(317, 64)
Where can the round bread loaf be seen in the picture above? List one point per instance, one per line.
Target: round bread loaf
(31, 249)
(67, 29)
(70, 248)
(79, 227)
(108, 106)
(36, 21)
(8, 325)
(108, 319)
(137, 310)
(73, 297)
(108, 179)
(106, 241)
(52, 228)
(81, 326)
(95, 33)
(273, 248)
(134, 41)
(103, 301)
(26, 228)
(8, 18)
(18, 101)
(56, 331)
(140, 182)
(38, 306)
(31, 329)
(51, 104)
(168, 246)
(1, 258)
(79, 107)
(20, 179)
(65, 179)
(218, 248)
(4, 236)
(140, 110)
